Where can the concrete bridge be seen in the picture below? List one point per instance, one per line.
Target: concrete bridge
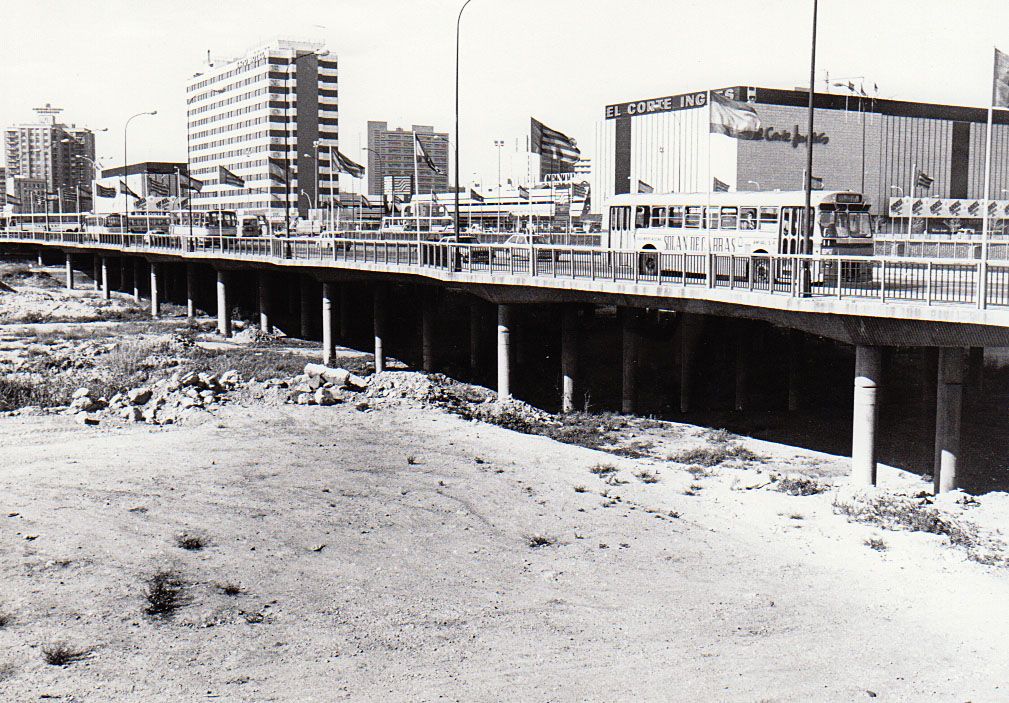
(948, 305)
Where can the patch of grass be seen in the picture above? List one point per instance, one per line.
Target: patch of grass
(603, 469)
(714, 454)
(698, 471)
(876, 543)
(164, 593)
(896, 513)
(535, 541)
(62, 654)
(411, 460)
(693, 489)
(633, 450)
(647, 477)
(800, 486)
(5, 619)
(796, 516)
(581, 489)
(230, 589)
(190, 542)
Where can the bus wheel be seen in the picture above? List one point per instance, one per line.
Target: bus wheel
(648, 263)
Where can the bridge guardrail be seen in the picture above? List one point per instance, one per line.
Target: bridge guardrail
(956, 281)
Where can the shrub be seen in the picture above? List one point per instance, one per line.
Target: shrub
(647, 477)
(581, 489)
(714, 454)
(230, 589)
(894, 513)
(61, 654)
(192, 543)
(164, 593)
(536, 541)
(799, 486)
(876, 543)
(603, 469)
(5, 619)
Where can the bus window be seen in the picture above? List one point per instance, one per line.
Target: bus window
(711, 214)
(728, 218)
(828, 224)
(748, 218)
(658, 217)
(693, 218)
(768, 219)
(641, 216)
(676, 216)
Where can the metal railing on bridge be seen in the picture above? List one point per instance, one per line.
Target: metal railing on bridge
(880, 279)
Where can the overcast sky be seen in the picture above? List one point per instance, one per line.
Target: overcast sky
(558, 60)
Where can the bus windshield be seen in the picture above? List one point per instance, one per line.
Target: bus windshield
(845, 224)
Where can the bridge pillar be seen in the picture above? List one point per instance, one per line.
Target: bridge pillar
(868, 365)
(155, 300)
(136, 281)
(475, 318)
(264, 301)
(427, 330)
(70, 272)
(39, 261)
(327, 324)
(504, 321)
(190, 291)
(96, 272)
(745, 342)
(344, 311)
(223, 306)
(948, 410)
(569, 356)
(305, 309)
(106, 288)
(629, 341)
(378, 319)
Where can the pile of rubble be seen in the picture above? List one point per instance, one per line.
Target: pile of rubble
(163, 403)
(320, 385)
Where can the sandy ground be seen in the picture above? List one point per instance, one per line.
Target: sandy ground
(427, 588)
(385, 555)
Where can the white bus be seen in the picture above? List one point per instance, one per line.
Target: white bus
(741, 223)
(44, 222)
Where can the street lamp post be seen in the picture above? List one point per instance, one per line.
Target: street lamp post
(126, 197)
(458, 24)
(807, 248)
(900, 194)
(499, 144)
(756, 183)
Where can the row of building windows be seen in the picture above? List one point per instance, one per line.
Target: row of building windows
(231, 100)
(259, 134)
(241, 67)
(254, 107)
(242, 124)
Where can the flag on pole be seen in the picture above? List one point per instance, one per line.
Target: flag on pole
(552, 143)
(644, 187)
(157, 187)
(226, 177)
(732, 118)
(523, 192)
(162, 204)
(420, 151)
(85, 191)
(140, 202)
(277, 172)
(14, 200)
(1000, 82)
(474, 196)
(125, 189)
(923, 180)
(104, 191)
(189, 183)
(345, 165)
(719, 186)
(816, 183)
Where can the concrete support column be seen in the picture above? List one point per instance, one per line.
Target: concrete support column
(569, 356)
(190, 291)
(223, 305)
(504, 317)
(305, 310)
(264, 301)
(629, 337)
(106, 288)
(868, 364)
(948, 411)
(796, 361)
(96, 272)
(427, 332)
(378, 319)
(327, 324)
(155, 300)
(475, 318)
(70, 272)
(136, 281)
(39, 260)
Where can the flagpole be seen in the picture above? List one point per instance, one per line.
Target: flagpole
(416, 186)
(983, 266)
(807, 245)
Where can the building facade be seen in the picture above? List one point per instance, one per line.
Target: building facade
(58, 156)
(391, 152)
(865, 144)
(270, 117)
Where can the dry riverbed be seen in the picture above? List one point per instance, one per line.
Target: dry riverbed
(403, 543)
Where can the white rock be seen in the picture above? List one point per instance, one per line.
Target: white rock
(327, 396)
(81, 393)
(139, 396)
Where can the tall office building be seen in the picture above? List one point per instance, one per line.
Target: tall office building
(49, 157)
(269, 118)
(391, 153)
